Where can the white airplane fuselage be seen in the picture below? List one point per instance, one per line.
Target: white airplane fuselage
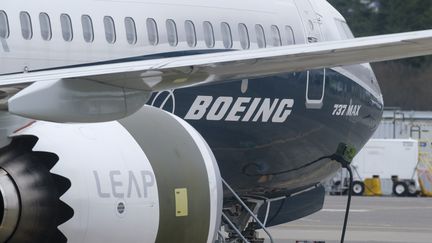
(317, 19)
(271, 136)
(275, 23)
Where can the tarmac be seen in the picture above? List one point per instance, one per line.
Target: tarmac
(372, 219)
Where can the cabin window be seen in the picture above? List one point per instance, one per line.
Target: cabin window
(45, 25)
(209, 34)
(244, 36)
(191, 38)
(110, 32)
(4, 25)
(172, 32)
(26, 25)
(87, 25)
(66, 26)
(226, 35)
(261, 40)
(290, 35)
(131, 34)
(276, 37)
(152, 32)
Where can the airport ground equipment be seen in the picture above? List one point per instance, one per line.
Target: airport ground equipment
(358, 188)
(424, 170)
(372, 186)
(416, 125)
(397, 124)
(394, 161)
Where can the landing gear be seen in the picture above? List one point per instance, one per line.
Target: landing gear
(251, 234)
(242, 223)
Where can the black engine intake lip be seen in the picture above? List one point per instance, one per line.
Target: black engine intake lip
(9, 206)
(26, 180)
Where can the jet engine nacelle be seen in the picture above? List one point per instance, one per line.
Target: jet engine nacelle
(148, 178)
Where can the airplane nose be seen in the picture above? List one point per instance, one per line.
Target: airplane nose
(9, 206)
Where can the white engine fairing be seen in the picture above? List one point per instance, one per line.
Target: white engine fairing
(131, 181)
(103, 154)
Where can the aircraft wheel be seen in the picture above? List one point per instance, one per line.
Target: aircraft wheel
(358, 188)
(412, 190)
(400, 189)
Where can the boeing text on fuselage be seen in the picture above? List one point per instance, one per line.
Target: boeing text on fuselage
(244, 109)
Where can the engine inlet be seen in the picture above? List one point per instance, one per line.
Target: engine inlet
(30, 208)
(9, 206)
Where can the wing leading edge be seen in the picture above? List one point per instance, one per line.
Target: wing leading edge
(170, 73)
(177, 72)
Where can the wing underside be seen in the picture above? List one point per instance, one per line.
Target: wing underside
(142, 77)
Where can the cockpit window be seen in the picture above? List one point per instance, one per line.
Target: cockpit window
(4, 25)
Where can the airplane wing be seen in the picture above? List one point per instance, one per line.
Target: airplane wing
(170, 73)
(177, 72)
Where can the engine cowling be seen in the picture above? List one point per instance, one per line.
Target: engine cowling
(148, 178)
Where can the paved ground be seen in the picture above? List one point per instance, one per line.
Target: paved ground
(372, 219)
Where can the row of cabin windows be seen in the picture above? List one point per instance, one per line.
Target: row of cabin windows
(152, 31)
